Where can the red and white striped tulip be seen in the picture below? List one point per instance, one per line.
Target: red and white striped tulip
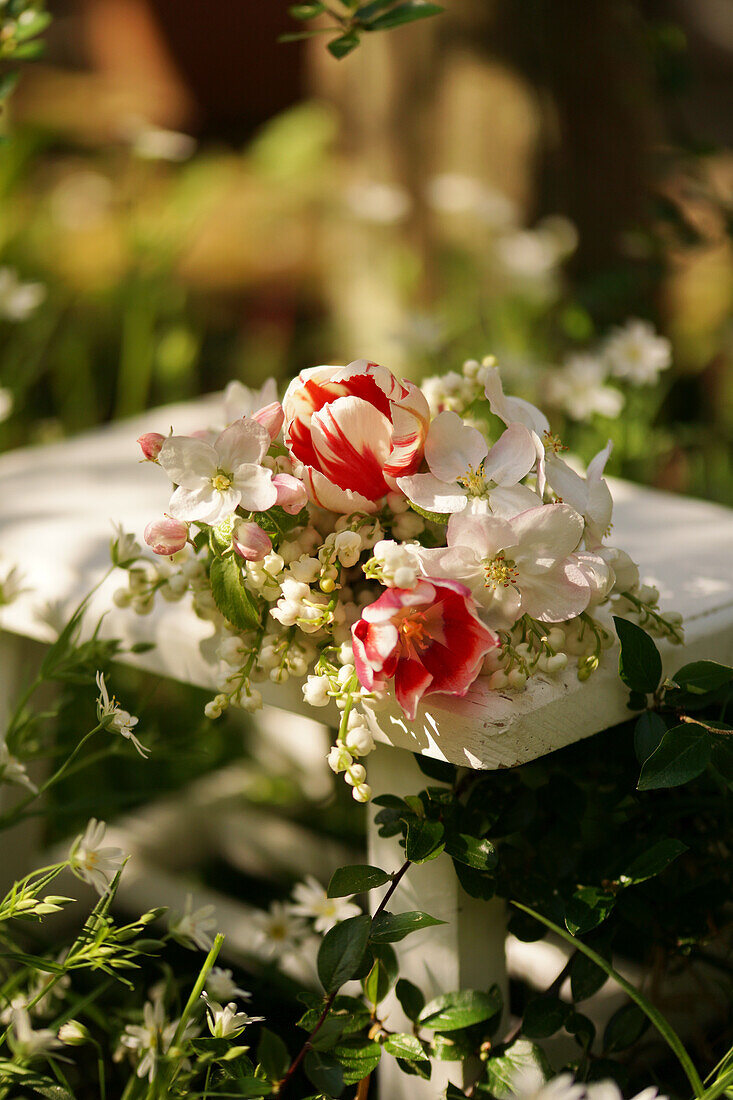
(426, 639)
(352, 431)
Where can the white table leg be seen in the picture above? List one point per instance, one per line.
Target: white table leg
(465, 953)
(18, 660)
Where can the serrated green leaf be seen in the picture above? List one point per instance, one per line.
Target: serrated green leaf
(682, 755)
(624, 1028)
(587, 908)
(324, 1071)
(357, 1058)
(503, 1070)
(306, 11)
(230, 596)
(341, 952)
(462, 1009)
(639, 663)
(272, 1054)
(392, 927)
(585, 977)
(356, 879)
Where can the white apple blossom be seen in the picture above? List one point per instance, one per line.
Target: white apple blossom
(310, 900)
(466, 474)
(579, 389)
(213, 480)
(525, 565)
(113, 717)
(192, 927)
(637, 353)
(241, 401)
(515, 410)
(224, 1021)
(92, 862)
(589, 495)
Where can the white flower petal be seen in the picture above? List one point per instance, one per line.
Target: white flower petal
(187, 461)
(545, 535)
(244, 441)
(453, 447)
(484, 535)
(204, 505)
(512, 456)
(256, 487)
(555, 595)
(432, 494)
(513, 409)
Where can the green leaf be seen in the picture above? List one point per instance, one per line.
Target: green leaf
(581, 1027)
(479, 854)
(462, 1009)
(391, 927)
(662, 1025)
(648, 732)
(424, 840)
(8, 81)
(585, 977)
(410, 998)
(230, 595)
(324, 1071)
(439, 770)
(503, 1069)
(624, 1028)
(272, 1055)
(405, 1046)
(356, 880)
(653, 861)
(587, 908)
(343, 45)
(701, 677)
(358, 1058)
(306, 11)
(639, 663)
(543, 1016)
(404, 13)
(341, 952)
(682, 755)
(435, 517)
(253, 1087)
(378, 982)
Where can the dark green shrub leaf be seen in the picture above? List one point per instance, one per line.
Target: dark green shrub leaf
(410, 998)
(502, 1070)
(230, 595)
(439, 770)
(475, 853)
(305, 11)
(343, 45)
(341, 952)
(355, 880)
(701, 677)
(272, 1055)
(324, 1071)
(456, 1010)
(358, 1058)
(682, 755)
(587, 908)
(404, 13)
(405, 1046)
(391, 927)
(424, 840)
(639, 663)
(543, 1016)
(378, 981)
(581, 1027)
(653, 861)
(648, 733)
(585, 977)
(624, 1028)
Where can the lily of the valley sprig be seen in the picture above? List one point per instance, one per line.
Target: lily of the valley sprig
(364, 541)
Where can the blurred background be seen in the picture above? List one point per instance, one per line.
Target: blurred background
(185, 200)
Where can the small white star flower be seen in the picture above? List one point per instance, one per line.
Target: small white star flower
(279, 931)
(27, 1043)
(18, 300)
(638, 353)
(221, 986)
(114, 718)
(193, 926)
(579, 389)
(310, 900)
(12, 770)
(150, 1041)
(92, 862)
(224, 1021)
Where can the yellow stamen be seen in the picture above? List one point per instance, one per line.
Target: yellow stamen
(221, 482)
(553, 443)
(500, 572)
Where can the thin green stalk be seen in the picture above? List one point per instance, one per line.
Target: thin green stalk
(662, 1025)
(9, 818)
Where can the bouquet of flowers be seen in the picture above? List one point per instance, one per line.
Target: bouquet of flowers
(377, 545)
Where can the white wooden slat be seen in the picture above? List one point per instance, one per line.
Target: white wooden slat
(56, 504)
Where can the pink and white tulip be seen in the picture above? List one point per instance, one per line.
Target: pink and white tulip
(352, 432)
(251, 542)
(291, 493)
(213, 480)
(166, 536)
(466, 474)
(524, 565)
(150, 445)
(427, 639)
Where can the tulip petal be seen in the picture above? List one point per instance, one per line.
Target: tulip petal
(352, 440)
(410, 418)
(327, 495)
(411, 681)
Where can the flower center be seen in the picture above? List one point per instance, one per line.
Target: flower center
(90, 860)
(553, 443)
(499, 572)
(221, 482)
(413, 631)
(473, 481)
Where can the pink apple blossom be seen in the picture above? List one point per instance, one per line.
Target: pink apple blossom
(352, 431)
(270, 417)
(251, 542)
(427, 639)
(166, 536)
(524, 565)
(466, 474)
(589, 495)
(150, 445)
(291, 493)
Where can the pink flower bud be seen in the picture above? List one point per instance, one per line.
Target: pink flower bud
(150, 445)
(166, 536)
(291, 493)
(271, 417)
(251, 542)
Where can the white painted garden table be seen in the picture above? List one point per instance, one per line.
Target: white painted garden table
(56, 505)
